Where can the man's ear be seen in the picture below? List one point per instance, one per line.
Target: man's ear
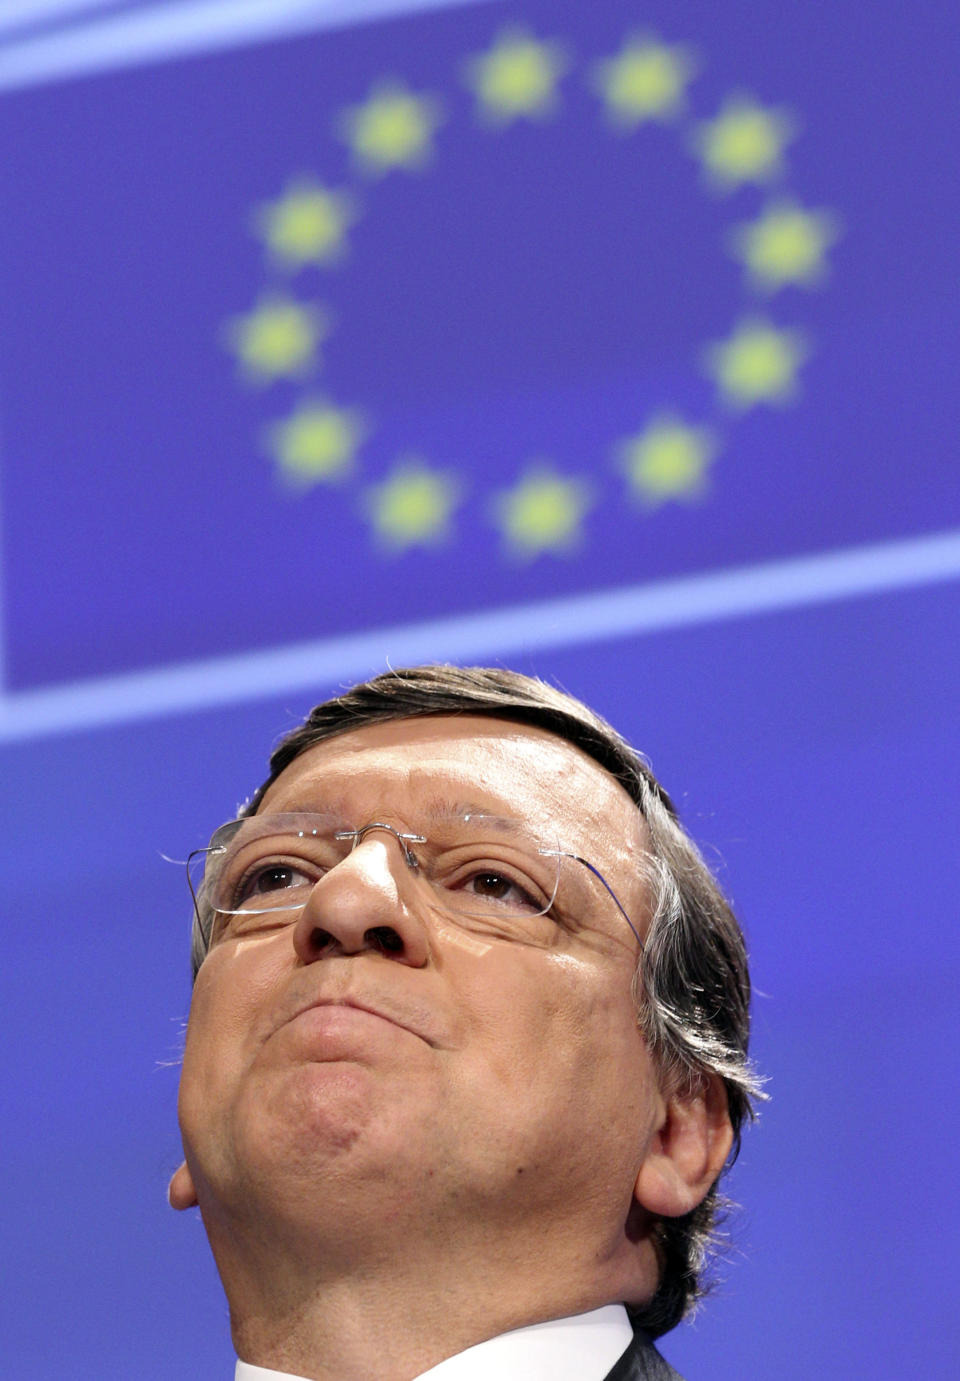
(687, 1151)
(181, 1192)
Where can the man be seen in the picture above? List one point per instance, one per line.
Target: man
(467, 1045)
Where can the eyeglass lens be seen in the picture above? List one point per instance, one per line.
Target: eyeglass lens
(474, 865)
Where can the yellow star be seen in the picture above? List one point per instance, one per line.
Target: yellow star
(317, 443)
(307, 225)
(786, 245)
(667, 460)
(745, 143)
(392, 129)
(758, 364)
(543, 512)
(278, 339)
(647, 80)
(517, 77)
(412, 507)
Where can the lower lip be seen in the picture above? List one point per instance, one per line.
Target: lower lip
(338, 1024)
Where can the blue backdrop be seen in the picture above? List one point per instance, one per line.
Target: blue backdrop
(610, 342)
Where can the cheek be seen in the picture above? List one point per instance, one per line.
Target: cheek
(556, 1057)
(231, 993)
(554, 1025)
(600, 1077)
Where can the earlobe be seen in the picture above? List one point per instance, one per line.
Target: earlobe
(180, 1192)
(688, 1151)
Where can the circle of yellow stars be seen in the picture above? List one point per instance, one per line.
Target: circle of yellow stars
(307, 229)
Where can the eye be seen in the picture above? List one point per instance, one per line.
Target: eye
(500, 887)
(266, 881)
(271, 879)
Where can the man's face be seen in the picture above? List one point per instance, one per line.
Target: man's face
(455, 1076)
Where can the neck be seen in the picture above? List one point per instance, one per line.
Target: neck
(396, 1314)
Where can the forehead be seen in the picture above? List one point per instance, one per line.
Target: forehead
(492, 764)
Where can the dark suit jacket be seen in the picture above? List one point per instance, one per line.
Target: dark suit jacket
(642, 1362)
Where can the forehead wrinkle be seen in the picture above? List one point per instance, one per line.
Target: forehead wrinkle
(526, 773)
(434, 789)
(429, 809)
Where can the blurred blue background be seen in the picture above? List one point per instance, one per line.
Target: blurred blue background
(616, 343)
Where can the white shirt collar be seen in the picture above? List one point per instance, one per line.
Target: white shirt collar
(582, 1348)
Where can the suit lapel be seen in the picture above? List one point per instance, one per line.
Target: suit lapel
(642, 1362)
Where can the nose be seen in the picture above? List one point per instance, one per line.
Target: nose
(359, 905)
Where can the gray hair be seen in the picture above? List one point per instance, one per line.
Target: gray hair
(692, 984)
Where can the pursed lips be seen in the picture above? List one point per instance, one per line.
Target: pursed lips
(419, 1024)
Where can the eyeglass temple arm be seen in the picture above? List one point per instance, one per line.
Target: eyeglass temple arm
(613, 896)
(195, 853)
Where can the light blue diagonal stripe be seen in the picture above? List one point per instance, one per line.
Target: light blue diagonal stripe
(164, 31)
(37, 14)
(559, 623)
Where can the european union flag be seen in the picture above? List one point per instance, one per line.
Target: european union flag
(565, 298)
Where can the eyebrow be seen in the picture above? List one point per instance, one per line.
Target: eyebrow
(436, 807)
(432, 806)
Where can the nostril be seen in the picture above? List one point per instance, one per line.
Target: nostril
(320, 939)
(384, 938)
